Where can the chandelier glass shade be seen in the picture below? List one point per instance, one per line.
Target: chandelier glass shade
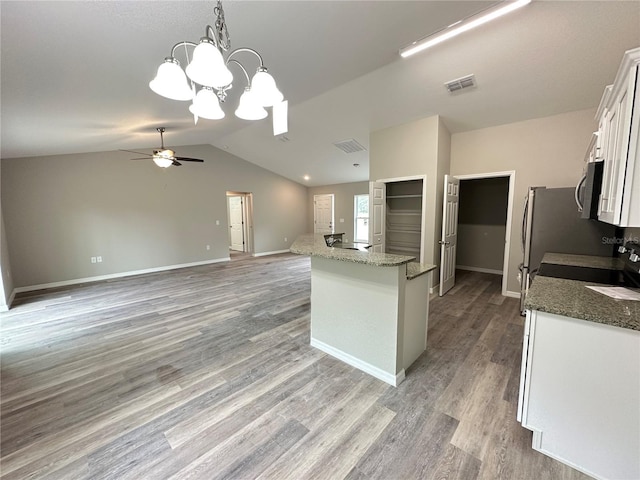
(249, 108)
(207, 77)
(171, 82)
(206, 105)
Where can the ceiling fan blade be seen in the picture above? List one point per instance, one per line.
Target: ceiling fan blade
(140, 158)
(137, 153)
(187, 159)
(176, 163)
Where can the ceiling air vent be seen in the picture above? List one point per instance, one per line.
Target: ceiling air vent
(460, 83)
(349, 146)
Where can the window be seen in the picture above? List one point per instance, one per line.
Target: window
(361, 215)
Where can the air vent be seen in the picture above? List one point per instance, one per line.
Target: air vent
(460, 83)
(349, 146)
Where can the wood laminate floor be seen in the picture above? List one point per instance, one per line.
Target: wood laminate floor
(207, 372)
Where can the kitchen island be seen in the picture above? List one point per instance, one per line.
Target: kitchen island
(368, 309)
(580, 377)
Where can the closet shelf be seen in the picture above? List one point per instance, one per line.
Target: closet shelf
(403, 230)
(406, 212)
(405, 196)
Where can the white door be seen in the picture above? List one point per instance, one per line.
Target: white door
(449, 234)
(377, 194)
(323, 213)
(236, 223)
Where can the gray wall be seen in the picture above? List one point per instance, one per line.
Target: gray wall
(61, 210)
(421, 147)
(544, 151)
(343, 205)
(482, 220)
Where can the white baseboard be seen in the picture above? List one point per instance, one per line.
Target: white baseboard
(7, 306)
(98, 278)
(275, 252)
(376, 372)
(511, 294)
(479, 269)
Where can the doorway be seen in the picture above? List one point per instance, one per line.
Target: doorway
(323, 213)
(240, 221)
(484, 223)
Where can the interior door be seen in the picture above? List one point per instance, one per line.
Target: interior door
(236, 223)
(449, 237)
(323, 213)
(377, 206)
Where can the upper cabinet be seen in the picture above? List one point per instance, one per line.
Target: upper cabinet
(619, 145)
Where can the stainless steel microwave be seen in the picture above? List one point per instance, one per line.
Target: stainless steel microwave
(588, 190)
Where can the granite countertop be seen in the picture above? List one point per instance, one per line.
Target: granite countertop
(415, 269)
(571, 298)
(589, 261)
(315, 246)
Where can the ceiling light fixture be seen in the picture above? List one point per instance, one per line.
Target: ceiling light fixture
(210, 70)
(462, 26)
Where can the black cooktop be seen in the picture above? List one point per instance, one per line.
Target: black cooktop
(585, 274)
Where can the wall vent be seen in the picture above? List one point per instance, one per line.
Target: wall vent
(458, 84)
(349, 146)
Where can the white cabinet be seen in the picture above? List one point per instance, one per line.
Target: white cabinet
(580, 394)
(619, 139)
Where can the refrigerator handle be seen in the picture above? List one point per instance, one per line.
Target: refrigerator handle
(577, 194)
(527, 221)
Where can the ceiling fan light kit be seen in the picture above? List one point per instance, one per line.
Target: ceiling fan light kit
(462, 26)
(163, 161)
(209, 70)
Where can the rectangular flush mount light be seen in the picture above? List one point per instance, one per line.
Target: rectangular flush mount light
(462, 26)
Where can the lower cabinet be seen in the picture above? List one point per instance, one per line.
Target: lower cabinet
(580, 394)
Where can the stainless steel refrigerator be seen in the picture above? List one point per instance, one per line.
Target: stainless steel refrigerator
(552, 223)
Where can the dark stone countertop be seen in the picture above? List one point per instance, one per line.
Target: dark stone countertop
(571, 298)
(589, 261)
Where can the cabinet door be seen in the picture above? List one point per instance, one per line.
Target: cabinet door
(606, 211)
(616, 146)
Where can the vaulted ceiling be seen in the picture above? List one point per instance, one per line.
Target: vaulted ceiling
(75, 75)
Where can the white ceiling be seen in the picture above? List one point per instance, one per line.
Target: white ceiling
(75, 75)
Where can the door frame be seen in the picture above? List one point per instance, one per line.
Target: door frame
(333, 211)
(247, 217)
(423, 219)
(511, 174)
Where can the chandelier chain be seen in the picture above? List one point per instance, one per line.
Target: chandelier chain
(224, 41)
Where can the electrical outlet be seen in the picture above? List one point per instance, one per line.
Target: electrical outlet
(217, 222)
(342, 220)
(285, 239)
(208, 247)
(93, 260)
(99, 259)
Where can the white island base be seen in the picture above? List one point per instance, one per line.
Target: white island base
(372, 317)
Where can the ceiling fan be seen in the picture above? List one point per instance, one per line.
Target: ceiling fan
(164, 157)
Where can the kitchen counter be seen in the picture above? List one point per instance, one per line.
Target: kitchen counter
(314, 245)
(589, 261)
(368, 309)
(571, 298)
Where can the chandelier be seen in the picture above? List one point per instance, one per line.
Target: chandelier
(207, 78)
